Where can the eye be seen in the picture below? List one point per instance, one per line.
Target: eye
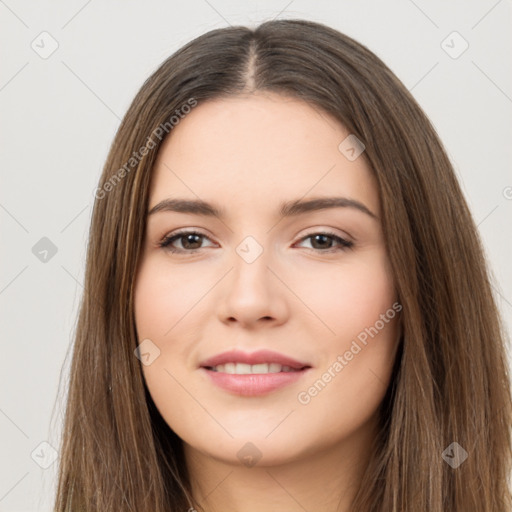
(324, 241)
(190, 241)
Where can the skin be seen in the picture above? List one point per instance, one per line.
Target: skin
(247, 154)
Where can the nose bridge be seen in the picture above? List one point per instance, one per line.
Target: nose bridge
(250, 263)
(250, 249)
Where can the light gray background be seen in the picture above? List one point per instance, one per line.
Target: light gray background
(59, 115)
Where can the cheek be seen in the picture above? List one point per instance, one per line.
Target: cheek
(345, 394)
(352, 381)
(349, 298)
(158, 311)
(359, 306)
(165, 309)
(161, 301)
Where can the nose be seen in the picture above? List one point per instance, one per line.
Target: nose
(252, 294)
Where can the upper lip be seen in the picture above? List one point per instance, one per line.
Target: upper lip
(258, 357)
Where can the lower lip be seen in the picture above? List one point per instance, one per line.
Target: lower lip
(254, 384)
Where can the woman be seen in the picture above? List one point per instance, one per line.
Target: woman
(287, 304)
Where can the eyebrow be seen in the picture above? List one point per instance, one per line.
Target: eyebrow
(287, 209)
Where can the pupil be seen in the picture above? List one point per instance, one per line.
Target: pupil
(189, 239)
(325, 239)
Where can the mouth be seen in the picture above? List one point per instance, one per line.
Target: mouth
(253, 374)
(254, 369)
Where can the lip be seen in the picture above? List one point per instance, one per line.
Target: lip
(253, 384)
(258, 357)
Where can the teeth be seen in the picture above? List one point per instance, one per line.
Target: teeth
(229, 367)
(247, 369)
(259, 368)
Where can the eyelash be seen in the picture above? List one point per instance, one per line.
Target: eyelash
(168, 240)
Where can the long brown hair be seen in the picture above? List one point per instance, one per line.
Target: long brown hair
(450, 382)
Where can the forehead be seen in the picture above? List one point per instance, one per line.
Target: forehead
(249, 151)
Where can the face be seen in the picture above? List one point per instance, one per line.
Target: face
(310, 287)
